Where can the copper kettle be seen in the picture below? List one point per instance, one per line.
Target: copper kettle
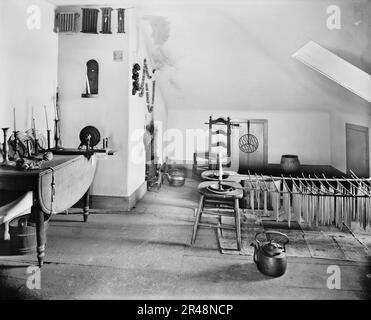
(269, 255)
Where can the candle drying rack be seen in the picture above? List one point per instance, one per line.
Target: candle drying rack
(313, 200)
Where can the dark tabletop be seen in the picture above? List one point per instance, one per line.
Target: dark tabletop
(58, 160)
(13, 178)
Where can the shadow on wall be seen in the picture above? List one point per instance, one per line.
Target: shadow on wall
(160, 33)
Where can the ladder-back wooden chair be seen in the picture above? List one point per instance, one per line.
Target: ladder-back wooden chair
(209, 160)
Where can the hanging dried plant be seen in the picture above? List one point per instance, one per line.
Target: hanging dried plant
(145, 88)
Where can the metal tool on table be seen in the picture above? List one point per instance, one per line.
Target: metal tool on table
(270, 255)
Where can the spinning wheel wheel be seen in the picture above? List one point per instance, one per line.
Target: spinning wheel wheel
(89, 136)
(248, 143)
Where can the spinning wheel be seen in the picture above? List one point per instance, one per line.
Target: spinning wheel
(41, 140)
(248, 143)
(89, 137)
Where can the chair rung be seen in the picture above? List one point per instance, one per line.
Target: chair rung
(226, 209)
(220, 131)
(218, 144)
(216, 226)
(221, 209)
(219, 213)
(229, 202)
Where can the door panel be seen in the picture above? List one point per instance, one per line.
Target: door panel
(357, 150)
(257, 159)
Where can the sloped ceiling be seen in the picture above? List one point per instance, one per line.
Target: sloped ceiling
(238, 54)
(336, 69)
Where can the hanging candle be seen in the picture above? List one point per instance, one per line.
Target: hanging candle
(14, 121)
(87, 85)
(220, 165)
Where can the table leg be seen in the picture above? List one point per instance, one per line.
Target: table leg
(6, 231)
(40, 233)
(238, 224)
(86, 205)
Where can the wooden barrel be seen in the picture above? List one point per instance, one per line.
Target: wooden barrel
(290, 163)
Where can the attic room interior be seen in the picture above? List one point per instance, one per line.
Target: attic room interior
(206, 149)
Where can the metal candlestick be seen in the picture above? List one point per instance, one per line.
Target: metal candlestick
(57, 138)
(48, 137)
(36, 146)
(5, 147)
(16, 156)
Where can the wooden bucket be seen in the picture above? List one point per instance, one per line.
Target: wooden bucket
(23, 236)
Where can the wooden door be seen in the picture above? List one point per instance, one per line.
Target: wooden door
(357, 150)
(258, 158)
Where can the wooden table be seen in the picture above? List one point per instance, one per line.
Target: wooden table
(72, 176)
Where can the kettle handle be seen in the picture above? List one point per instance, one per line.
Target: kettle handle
(273, 232)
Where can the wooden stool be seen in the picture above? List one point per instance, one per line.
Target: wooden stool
(219, 203)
